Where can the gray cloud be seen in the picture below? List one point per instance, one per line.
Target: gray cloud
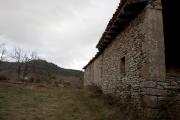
(62, 31)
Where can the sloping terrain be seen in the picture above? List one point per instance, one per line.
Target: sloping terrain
(31, 102)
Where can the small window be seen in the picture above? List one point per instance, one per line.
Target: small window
(122, 66)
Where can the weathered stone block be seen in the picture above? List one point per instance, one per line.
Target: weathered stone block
(160, 87)
(148, 84)
(178, 97)
(162, 83)
(154, 91)
(150, 101)
(161, 98)
(173, 83)
(151, 114)
(170, 87)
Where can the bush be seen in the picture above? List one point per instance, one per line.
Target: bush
(31, 80)
(124, 106)
(93, 91)
(3, 77)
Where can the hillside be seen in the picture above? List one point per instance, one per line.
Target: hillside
(31, 102)
(39, 68)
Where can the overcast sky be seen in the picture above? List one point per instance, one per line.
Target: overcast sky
(64, 32)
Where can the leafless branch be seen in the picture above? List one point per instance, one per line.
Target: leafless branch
(3, 52)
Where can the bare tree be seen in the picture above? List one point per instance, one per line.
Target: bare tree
(3, 52)
(34, 65)
(25, 68)
(22, 58)
(29, 56)
(34, 56)
(18, 56)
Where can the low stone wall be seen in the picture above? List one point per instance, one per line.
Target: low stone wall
(161, 99)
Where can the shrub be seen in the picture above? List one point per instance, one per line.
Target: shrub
(93, 91)
(3, 77)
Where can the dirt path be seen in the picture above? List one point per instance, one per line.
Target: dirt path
(29, 102)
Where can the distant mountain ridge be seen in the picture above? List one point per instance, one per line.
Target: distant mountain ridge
(41, 68)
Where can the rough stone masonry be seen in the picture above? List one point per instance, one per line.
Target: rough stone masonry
(131, 61)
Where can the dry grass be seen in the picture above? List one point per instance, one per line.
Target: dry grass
(31, 102)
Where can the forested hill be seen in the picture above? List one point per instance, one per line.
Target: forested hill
(40, 68)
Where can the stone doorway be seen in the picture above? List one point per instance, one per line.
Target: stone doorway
(171, 36)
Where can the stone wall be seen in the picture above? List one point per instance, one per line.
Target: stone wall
(106, 69)
(128, 44)
(93, 73)
(88, 80)
(144, 84)
(98, 71)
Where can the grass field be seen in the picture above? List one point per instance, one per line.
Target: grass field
(32, 102)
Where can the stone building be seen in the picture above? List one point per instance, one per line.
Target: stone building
(136, 60)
